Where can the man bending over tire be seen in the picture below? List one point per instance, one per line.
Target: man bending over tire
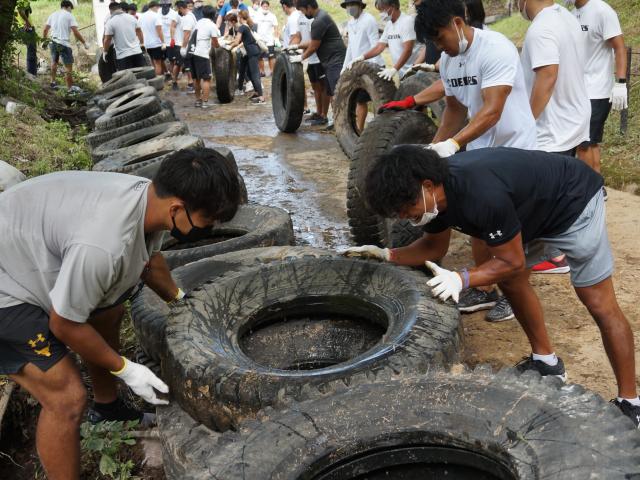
(518, 202)
(74, 245)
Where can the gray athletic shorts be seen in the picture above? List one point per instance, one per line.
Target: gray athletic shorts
(585, 244)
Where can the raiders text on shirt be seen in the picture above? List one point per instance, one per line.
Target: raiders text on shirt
(462, 81)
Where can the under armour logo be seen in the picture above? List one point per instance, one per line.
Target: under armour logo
(493, 236)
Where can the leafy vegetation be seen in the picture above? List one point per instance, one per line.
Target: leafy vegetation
(108, 442)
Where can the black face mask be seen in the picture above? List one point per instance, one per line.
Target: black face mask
(308, 16)
(195, 234)
(165, 9)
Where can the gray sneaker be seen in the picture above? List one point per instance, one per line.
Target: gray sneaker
(500, 312)
(473, 300)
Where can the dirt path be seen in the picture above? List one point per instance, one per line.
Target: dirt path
(306, 173)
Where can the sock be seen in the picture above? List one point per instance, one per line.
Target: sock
(632, 401)
(117, 410)
(550, 359)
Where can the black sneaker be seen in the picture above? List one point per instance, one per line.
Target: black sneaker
(473, 300)
(118, 411)
(174, 86)
(319, 121)
(629, 409)
(528, 363)
(190, 88)
(198, 104)
(501, 311)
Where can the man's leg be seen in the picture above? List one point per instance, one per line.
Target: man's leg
(62, 396)
(158, 66)
(54, 71)
(206, 87)
(362, 110)
(317, 95)
(68, 77)
(585, 153)
(198, 87)
(600, 300)
(107, 323)
(595, 157)
(261, 65)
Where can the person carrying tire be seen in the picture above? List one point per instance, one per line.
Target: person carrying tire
(75, 244)
(60, 24)
(123, 30)
(483, 81)
(362, 32)
(249, 63)
(206, 38)
(399, 35)
(150, 23)
(327, 42)
(519, 202)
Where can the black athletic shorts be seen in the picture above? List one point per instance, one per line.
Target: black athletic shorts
(332, 73)
(200, 68)
(156, 53)
(600, 109)
(315, 72)
(132, 61)
(270, 54)
(568, 153)
(362, 97)
(173, 55)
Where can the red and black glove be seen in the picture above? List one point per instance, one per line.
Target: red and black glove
(405, 104)
(172, 43)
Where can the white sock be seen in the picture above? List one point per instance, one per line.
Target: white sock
(550, 359)
(632, 401)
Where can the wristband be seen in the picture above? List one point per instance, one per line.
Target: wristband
(621, 80)
(118, 372)
(465, 278)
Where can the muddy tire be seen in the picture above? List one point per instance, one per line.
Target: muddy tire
(107, 68)
(287, 94)
(475, 425)
(93, 114)
(157, 83)
(121, 145)
(116, 82)
(103, 101)
(129, 113)
(142, 73)
(136, 159)
(418, 82)
(385, 131)
(226, 74)
(362, 76)
(253, 226)
(259, 334)
(98, 138)
(128, 97)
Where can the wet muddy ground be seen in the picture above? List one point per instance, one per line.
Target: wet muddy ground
(306, 174)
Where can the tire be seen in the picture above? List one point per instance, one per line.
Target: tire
(382, 133)
(93, 114)
(103, 101)
(121, 145)
(418, 82)
(136, 159)
(127, 114)
(362, 76)
(226, 74)
(256, 335)
(108, 68)
(142, 73)
(132, 95)
(475, 425)
(149, 312)
(116, 82)
(97, 138)
(157, 83)
(287, 94)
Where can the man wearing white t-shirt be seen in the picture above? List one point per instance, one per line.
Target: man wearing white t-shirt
(170, 19)
(291, 25)
(399, 35)
(362, 36)
(186, 26)
(267, 25)
(604, 42)
(151, 25)
(60, 24)
(123, 30)
(207, 38)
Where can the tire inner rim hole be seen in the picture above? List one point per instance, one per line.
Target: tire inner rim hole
(353, 103)
(415, 462)
(283, 90)
(218, 234)
(312, 332)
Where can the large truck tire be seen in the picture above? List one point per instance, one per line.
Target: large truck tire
(225, 69)
(129, 113)
(287, 94)
(413, 85)
(99, 137)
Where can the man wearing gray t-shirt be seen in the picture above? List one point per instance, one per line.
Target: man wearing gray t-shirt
(74, 246)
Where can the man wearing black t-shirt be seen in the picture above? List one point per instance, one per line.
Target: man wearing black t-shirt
(522, 204)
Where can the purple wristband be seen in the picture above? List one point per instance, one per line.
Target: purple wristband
(465, 278)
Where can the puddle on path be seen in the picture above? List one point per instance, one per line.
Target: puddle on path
(305, 173)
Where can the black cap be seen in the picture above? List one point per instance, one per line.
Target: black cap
(347, 2)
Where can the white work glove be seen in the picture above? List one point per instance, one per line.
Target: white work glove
(444, 283)
(387, 73)
(104, 57)
(226, 46)
(183, 52)
(222, 42)
(163, 47)
(295, 59)
(354, 61)
(423, 67)
(618, 98)
(445, 149)
(85, 46)
(142, 381)
(368, 251)
(293, 46)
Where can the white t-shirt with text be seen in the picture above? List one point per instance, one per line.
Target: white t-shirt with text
(122, 27)
(396, 34)
(148, 22)
(206, 31)
(362, 36)
(267, 23)
(61, 23)
(187, 23)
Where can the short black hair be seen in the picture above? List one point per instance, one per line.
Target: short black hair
(209, 12)
(66, 4)
(204, 179)
(133, 7)
(395, 179)
(234, 3)
(388, 3)
(475, 13)
(265, 1)
(287, 3)
(432, 15)
(116, 6)
(307, 3)
(152, 4)
(181, 4)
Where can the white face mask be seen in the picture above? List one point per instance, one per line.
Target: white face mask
(463, 43)
(426, 216)
(524, 13)
(353, 11)
(385, 17)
